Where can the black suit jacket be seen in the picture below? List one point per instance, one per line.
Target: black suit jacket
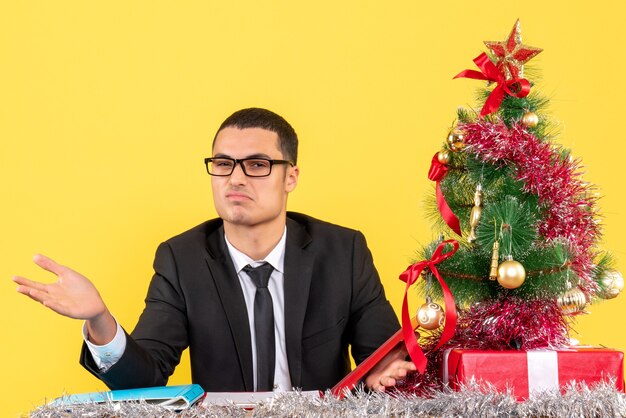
(333, 300)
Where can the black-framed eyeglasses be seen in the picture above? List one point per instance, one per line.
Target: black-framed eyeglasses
(252, 167)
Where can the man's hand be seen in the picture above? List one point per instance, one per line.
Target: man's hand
(389, 370)
(72, 295)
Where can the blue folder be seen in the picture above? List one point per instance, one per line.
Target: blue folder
(173, 397)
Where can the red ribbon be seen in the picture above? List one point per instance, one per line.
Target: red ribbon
(410, 276)
(436, 173)
(489, 72)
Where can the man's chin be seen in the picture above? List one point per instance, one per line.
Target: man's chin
(241, 217)
(239, 220)
(238, 217)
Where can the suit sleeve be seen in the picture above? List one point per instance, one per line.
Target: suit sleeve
(372, 319)
(154, 348)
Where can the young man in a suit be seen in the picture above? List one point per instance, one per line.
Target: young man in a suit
(263, 298)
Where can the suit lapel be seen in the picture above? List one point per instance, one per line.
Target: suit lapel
(233, 302)
(297, 282)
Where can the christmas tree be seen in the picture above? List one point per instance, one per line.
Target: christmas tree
(524, 257)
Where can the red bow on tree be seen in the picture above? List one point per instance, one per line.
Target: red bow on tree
(410, 276)
(436, 173)
(518, 87)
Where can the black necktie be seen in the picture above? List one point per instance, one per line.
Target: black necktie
(263, 326)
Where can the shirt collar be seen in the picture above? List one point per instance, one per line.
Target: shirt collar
(276, 257)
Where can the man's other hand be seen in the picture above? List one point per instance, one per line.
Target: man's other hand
(389, 370)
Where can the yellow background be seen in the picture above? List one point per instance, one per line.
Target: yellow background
(107, 109)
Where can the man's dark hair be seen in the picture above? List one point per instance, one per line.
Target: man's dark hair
(256, 117)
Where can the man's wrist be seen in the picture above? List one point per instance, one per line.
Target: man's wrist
(102, 328)
(107, 355)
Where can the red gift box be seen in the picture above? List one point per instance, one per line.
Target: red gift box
(529, 373)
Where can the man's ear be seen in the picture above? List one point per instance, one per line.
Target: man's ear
(291, 180)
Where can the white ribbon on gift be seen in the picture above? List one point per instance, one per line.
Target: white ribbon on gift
(543, 372)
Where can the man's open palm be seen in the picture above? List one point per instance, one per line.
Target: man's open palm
(72, 295)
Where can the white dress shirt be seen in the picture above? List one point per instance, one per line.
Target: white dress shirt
(107, 355)
(276, 258)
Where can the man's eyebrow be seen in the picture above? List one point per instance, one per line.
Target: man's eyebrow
(258, 155)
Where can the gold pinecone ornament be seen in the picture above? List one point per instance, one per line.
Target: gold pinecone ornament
(573, 301)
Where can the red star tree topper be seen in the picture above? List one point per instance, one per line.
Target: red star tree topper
(511, 54)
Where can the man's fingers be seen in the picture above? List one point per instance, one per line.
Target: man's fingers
(387, 381)
(44, 298)
(25, 290)
(395, 370)
(409, 365)
(34, 294)
(24, 282)
(48, 264)
(389, 370)
(399, 368)
(383, 383)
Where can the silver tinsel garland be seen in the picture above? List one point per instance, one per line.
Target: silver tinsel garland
(473, 401)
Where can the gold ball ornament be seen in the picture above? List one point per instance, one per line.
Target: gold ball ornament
(443, 157)
(430, 316)
(511, 274)
(530, 119)
(611, 284)
(572, 301)
(456, 140)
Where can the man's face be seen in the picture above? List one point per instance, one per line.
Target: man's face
(251, 201)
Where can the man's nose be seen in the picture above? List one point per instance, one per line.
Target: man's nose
(238, 176)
